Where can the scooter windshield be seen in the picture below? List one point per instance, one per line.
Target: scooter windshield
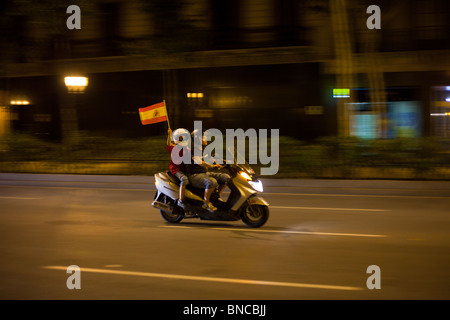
(239, 159)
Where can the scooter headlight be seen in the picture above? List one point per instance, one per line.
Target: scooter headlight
(257, 185)
(245, 175)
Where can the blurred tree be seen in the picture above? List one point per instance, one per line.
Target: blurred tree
(349, 35)
(370, 44)
(343, 50)
(371, 40)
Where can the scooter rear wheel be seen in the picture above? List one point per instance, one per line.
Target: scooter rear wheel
(255, 215)
(172, 217)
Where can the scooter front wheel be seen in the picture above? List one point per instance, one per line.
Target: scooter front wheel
(255, 215)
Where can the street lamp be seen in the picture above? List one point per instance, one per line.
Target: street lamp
(69, 117)
(76, 84)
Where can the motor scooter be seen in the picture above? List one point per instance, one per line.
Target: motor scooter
(243, 202)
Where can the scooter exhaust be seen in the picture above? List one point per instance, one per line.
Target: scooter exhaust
(162, 206)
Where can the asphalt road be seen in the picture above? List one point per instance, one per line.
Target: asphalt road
(321, 238)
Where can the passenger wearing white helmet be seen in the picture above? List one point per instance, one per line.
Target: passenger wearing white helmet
(177, 170)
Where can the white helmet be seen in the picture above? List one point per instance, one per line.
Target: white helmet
(181, 133)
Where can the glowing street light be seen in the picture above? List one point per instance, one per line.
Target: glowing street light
(19, 102)
(195, 95)
(76, 84)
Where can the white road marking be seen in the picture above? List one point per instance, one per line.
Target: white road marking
(20, 198)
(210, 279)
(352, 195)
(333, 209)
(182, 227)
(264, 193)
(79, 188)
(113, 266)
(287, 232)
(307, 232)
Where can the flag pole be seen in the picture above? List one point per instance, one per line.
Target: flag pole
(168, 122)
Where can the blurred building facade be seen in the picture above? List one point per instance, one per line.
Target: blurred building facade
(233, 64)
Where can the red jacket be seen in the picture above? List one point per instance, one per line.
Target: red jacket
(174, 168)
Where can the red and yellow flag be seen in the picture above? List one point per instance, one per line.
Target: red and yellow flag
(153, 114)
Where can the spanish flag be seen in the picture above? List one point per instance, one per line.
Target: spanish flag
(153, 114)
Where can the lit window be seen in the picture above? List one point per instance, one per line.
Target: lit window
(341, 93)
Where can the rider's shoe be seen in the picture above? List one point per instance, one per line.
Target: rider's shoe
(208, 206)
